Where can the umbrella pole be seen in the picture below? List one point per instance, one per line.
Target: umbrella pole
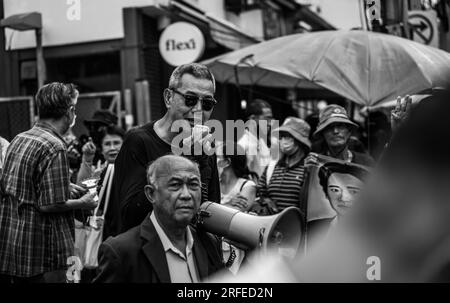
(236, 73)
(236, 76)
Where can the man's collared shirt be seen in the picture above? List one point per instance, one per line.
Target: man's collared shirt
(35, 174)
(257, 151)
(182, 268)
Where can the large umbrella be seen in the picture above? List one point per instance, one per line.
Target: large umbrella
(365, 67)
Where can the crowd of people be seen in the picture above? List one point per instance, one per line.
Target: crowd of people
(149, 232)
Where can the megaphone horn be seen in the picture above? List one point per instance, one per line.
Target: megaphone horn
(282, 232)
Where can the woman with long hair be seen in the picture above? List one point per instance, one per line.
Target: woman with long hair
(237, 190)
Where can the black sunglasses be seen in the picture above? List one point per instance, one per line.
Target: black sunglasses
(192, 100)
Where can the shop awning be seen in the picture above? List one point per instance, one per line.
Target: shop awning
(231, 36)
(227, 34)
(222, 31)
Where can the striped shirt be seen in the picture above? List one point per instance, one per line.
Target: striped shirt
(284, 186)
(35, 174)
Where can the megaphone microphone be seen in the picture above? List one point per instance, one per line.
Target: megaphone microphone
(281, 232)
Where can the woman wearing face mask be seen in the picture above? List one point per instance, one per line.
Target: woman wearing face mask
(237, 191)
(280, 185)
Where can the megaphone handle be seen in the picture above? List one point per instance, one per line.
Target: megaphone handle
(202, 214)
(231, 258)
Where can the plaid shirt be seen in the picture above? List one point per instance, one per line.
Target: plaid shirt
(3, 147)
(35, 174)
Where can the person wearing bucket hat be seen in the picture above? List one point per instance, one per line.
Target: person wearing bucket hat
(279, 187)
(297, 129)
(335, 129)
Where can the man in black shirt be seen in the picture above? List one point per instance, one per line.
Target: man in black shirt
(190, 94)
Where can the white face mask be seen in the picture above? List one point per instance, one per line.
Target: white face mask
(287, 146)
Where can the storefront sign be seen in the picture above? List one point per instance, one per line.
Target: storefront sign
(181, 43)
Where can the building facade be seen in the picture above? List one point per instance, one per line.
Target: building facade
(110, 47)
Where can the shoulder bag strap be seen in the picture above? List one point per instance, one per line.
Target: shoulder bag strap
(108, 190)
(242, 186)
(102, 190)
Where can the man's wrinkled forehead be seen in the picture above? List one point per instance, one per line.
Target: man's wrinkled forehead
(174, 167)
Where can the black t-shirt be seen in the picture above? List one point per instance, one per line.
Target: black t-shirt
(128, 205)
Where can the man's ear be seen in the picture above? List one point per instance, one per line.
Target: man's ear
(149, 191)
(167, 96)
(67, 114)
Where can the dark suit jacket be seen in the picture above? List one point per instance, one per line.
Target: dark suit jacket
(137, 256)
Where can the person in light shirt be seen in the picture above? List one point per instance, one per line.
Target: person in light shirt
(255, 141)
(165, 248)
(237, 190)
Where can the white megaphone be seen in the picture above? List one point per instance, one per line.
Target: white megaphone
(281, 233)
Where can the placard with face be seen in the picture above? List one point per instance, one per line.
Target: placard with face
(333, 187)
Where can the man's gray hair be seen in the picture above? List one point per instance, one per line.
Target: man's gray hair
(163, 164)
(195, 69)
(151, 174)
(53, 100)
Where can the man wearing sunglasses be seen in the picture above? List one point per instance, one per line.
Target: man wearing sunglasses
(189, 97)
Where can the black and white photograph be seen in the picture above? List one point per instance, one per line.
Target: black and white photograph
(226, 147)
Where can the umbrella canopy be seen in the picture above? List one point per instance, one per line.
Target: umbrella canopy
(366, 67)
